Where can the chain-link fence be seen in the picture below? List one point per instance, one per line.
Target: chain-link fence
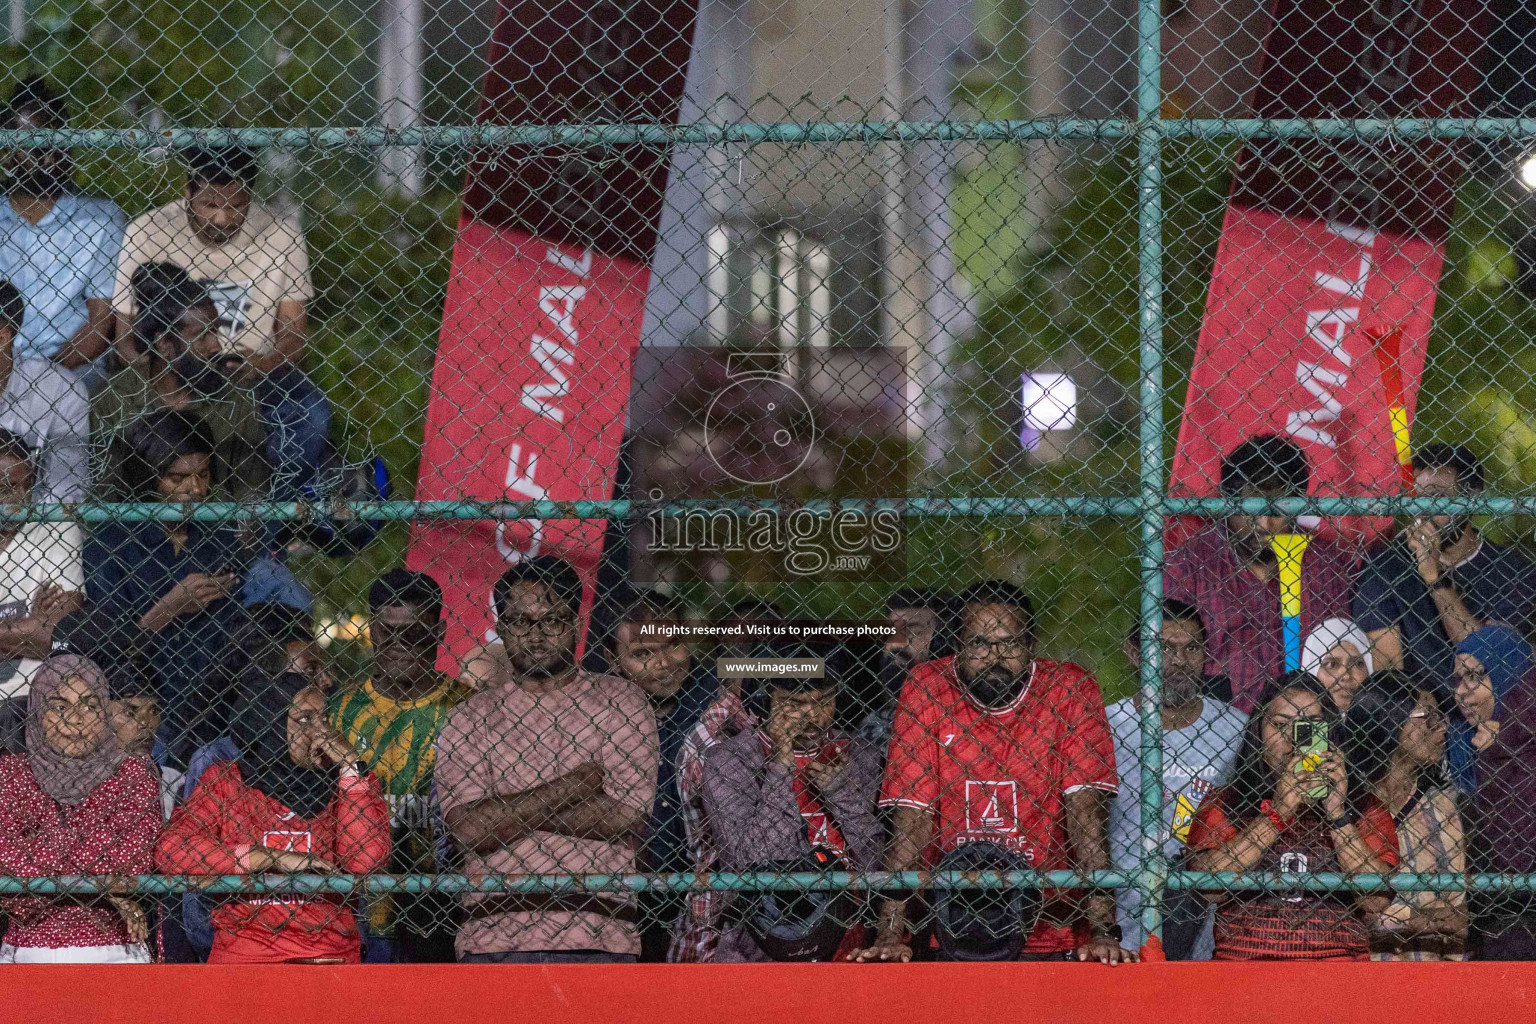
(720, 481)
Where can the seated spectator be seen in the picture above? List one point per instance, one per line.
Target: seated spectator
(13, 313)
(679, 690)
(1492, 663)
(998, 745)
(552, 771)
(1396, 733)
(1269, 819)
(775, 793)
(75, 804)
(394, 718)
(255, 266)
(924, 630)
(1497, 705)
(1441, 579)
(135, 716)
(176, 323)
(59, 250)
(178, 581)
(696, 935)
(1339, 655)
(41, 581)
(1230, 573)
(1201, 736)
(298, 801)
(268, 641)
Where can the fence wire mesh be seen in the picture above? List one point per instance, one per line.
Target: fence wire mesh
(719, 481)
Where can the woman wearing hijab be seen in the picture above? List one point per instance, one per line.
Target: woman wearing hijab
(1495, 735)
(75, 804)
(1490, 663)
(297, 801)
(1339, 655)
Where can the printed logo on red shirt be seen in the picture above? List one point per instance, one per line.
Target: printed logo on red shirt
(292, 842)
(991, 806)
(816, 828)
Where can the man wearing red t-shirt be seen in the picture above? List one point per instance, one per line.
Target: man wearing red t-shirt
(996, 745)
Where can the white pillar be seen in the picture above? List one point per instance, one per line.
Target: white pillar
(938, 31)
(401, 168)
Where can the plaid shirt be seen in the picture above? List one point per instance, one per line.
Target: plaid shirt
(1242, 612)
(697, 932)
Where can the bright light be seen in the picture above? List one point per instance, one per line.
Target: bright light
(1050, 401)
(1526, 171)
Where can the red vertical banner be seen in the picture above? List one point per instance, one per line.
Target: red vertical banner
(1330, 246)
(547, 290)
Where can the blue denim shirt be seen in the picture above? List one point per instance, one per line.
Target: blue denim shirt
(67, 257)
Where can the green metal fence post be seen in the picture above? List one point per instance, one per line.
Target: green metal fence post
(1149, 205)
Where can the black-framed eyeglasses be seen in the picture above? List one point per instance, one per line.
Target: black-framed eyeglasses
(1009, 645)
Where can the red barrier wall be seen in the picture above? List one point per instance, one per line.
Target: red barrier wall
(1486, 993)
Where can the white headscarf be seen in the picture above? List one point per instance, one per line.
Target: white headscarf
(1328, 635)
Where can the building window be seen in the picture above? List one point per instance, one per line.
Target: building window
(772, 283)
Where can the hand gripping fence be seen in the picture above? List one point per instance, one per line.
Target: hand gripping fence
(775, 318)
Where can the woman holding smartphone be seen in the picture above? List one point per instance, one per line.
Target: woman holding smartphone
(1292, 807)
(178, 581)
(297, 801)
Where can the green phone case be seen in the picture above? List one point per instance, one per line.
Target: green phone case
(1317, 744)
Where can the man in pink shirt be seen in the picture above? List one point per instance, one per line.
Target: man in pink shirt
(551, 772)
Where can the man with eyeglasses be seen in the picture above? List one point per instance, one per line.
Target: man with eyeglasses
(1201, 736)
(393, 719)
(551, 772)
(995, 745)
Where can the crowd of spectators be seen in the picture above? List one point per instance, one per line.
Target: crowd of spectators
(165, 707)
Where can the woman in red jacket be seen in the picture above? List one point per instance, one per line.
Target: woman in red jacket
(296, 802)
(75, 804)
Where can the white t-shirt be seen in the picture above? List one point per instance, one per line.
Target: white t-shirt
(1196, 759)
(38, 554)
(248, 276)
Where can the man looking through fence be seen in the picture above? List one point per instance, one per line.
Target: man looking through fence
(41, 581)
(679, 690)
(1200, 736)
(1440, 580)
(924, 629)
(1230, 572)
(61, 251)
(254, 265)
(551, 772)
(393, 719)
(996, 745)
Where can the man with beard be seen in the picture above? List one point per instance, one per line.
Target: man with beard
(551, 771)
(393, 719)
(61, 251)
(1201, 736)
(176, 322)
(923, 631)
(1440, 579)
(1229, 571)
(995, 745)
(254, 267)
